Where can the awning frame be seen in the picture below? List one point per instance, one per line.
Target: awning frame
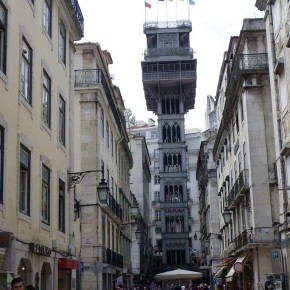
(242, 259)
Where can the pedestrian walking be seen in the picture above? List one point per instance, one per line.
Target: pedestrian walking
(17, 284)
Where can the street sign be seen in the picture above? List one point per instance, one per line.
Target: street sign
(238, 267)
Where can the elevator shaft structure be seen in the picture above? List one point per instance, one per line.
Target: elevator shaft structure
(169, 82)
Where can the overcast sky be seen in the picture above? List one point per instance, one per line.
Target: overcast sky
(118, 27)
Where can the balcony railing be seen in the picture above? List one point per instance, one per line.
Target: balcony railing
(169, 75)
(112, 258)
(172, 51)
(262, 236)
(74, 4)
(115, 207)
(240, 186)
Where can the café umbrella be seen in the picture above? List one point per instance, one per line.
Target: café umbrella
(178, 274)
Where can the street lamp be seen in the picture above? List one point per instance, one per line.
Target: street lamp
(138, 233)
(76, 178)
(227, 214)
(103, 189)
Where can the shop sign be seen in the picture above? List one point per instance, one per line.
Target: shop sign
(39, 249)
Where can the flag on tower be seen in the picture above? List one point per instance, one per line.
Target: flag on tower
(147, 5)
(191, 2)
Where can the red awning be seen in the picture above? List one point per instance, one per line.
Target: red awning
(66, 263)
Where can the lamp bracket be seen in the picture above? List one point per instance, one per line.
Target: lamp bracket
(76, 177)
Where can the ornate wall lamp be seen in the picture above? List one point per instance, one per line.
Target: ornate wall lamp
(76, 178)
(227, 215)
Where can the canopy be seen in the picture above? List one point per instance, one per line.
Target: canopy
(178, 274)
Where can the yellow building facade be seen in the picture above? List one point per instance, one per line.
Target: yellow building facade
(36, 216)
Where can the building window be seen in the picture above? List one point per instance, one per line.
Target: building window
(46, 98)
(156, 179)
(156, 166)
(47, 16)
(108, 177)
(156, 195)
(107, 134)
(26, 71)
(61, 206)
(112, 185)
(242, 110)
(157, 215)
(156, 153)
(112, 144)
(3, 37)
(61, 124)
(62, 42)
(102, 123)
(1, 163)
(45, 198)
(116, 152)
(24, 181)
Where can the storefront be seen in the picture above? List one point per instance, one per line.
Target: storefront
(67, 273)
(240, 275)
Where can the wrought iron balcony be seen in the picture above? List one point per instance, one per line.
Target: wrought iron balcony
(112, 258)
(88, 77)
(75, 7)
(155, 76)
(241, 185)
(115, 207)
(261, 236)
(245, 64)
(172, 51)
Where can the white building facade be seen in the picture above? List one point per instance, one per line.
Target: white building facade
(278, 42)
(245, 157)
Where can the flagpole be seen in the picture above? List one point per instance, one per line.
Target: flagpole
(188, 9)
(157, 9)
(166, 13)
(176, 11)
(145, 9)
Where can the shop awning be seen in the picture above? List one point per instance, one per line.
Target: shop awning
(242, 259)
(219, 272)
(66, 263)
